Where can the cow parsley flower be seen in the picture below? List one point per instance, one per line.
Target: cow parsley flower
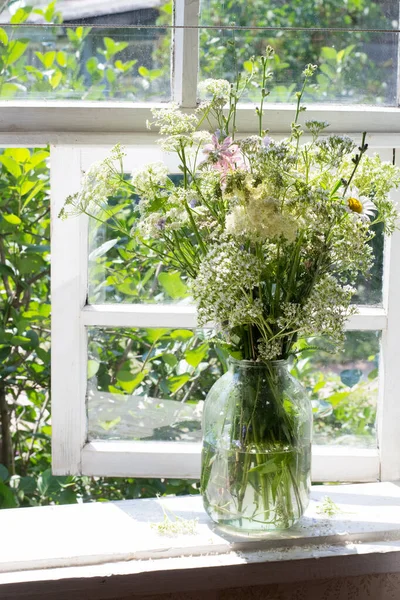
(259, 218)
(101, 180)
(172, 121)
(218, 89)
(224, 283)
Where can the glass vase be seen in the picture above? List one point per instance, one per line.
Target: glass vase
(256, 458)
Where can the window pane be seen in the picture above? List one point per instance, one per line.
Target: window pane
(369, 289)
(85, 63)
(382, 14)
(85, 12)
(150, 384)
(344, 390)
(129, 268)
(146, 383)
(354, 68)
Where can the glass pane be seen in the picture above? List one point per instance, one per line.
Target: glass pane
(354, 67)
(369, 289)
(150, 384)
(344, 390)
(368, 14)
(125, 269)
(84, 12)
(147, 383)
(85, 63)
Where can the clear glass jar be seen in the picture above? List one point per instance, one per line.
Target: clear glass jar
(256, 459)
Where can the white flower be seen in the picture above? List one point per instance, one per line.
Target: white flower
(359, 206)
(219, 89)
(172, 121)
(99, 183)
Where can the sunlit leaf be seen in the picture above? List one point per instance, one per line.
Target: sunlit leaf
(175, 383)
(194, 357)
(103, 249)
(11, 165)
(92, 368)
(3, 36)
(16, 50)
(173, 284)
(13, 219)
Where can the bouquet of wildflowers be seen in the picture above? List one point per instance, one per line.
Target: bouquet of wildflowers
(272, 235)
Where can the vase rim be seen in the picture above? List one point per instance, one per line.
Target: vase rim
(282, 362)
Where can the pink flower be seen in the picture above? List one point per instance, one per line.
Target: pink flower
(225, 156)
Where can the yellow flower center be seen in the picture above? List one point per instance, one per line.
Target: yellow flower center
(355, 205)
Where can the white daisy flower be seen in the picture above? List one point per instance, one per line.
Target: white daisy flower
(359, 206)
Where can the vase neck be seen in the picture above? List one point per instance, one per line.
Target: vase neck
(252, 365)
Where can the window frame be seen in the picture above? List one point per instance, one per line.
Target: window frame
(74, 454)
(70, 127)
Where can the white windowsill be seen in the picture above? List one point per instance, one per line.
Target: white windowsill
(90, 546)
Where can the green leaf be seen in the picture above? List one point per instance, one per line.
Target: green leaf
(55, 79)
(328, 53)
(181, 334)
(103, 249)
(373, 374)
(20, 340)
(6, 270)
(114, 47)
(48, 484)
(3, 36)
(173, 284)
(38, 157)
(12, 219)
(30, 264)
(129, 386)
(194, 357)
(20, 16)
(27, 484)
(318, 386)
(337, 398)
(177, 382)
(169, 358)
(92, 65)
(153, 335)
(268, 467)
(62, 58)
(143, 71)
(11, 165)
(110, 76)
(50, 10)
(7, 499)
(40, 185)
(3, 473)
(27, 187)
(92, 368)
(9, 90)
(16, 50)
(33, 337)
(49, 59)
(20, 155)
(248, 66)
